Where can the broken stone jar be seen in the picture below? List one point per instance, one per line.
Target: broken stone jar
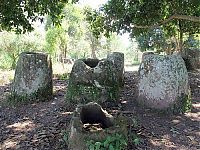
(91, 122)
(96, 80)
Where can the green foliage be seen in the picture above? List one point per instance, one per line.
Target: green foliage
(121, 15)
(84, 94)
(135, 139)
(19, 15)
(14, 99)
(11, 45)
(64, 76)
(112, 142)
(67, 40)
(141, 18)
(65, 136)
(154, 39)
(96, 22)
(192, 42)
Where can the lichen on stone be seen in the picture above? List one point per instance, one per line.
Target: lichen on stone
(95, 80)
(33, 78)
(79, 135)
(163, 82)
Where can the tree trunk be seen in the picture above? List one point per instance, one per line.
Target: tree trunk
(94, 53)
(180, 36)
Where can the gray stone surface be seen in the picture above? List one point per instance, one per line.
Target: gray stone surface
(147, 53)
(192, 59)
(96, 80)
(118, 60)
(81, 132)
(163, 82)
(33, 77)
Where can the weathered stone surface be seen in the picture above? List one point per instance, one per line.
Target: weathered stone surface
(192, 59)
(118, 60)
(87, 124)
(96, 80)
(146, 53)
(163, 83)
(33, 77)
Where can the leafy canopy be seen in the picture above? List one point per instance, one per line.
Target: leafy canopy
(139, 16)
(18, 15)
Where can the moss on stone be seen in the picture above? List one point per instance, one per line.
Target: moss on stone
(33, 78)
(79, 137)
(83, 93)
(42, 94)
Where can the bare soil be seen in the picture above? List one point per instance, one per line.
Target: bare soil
(43, 125)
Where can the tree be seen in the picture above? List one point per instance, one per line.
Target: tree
(18, 15)
(67, 39)
(11, 45)
(175, 17)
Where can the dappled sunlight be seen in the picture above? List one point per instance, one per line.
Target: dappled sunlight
(61, 68)
(176, 121)
(193, 116)
(197, 105)
(165, 142)
(43, 110)
(12, 141)
(131, 68)
(66, 113)
(22, 126)
(6, 77)
(9, 143)
(59, 87)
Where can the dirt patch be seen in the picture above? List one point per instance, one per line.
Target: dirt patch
(43, 125)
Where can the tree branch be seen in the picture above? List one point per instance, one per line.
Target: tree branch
(175, 16)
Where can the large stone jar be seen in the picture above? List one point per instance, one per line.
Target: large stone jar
(33, 77)
(95, 80)
(163, 83)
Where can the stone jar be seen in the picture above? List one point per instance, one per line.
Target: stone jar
(163, 83)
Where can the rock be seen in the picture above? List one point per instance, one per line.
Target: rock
(147, 53)
(33, 77)
(163, 83)
(118, 59)
(192, 59)
(96, 80)
(92, 113)
(89, 116)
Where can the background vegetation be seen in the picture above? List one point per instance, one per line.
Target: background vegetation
(74, 32)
